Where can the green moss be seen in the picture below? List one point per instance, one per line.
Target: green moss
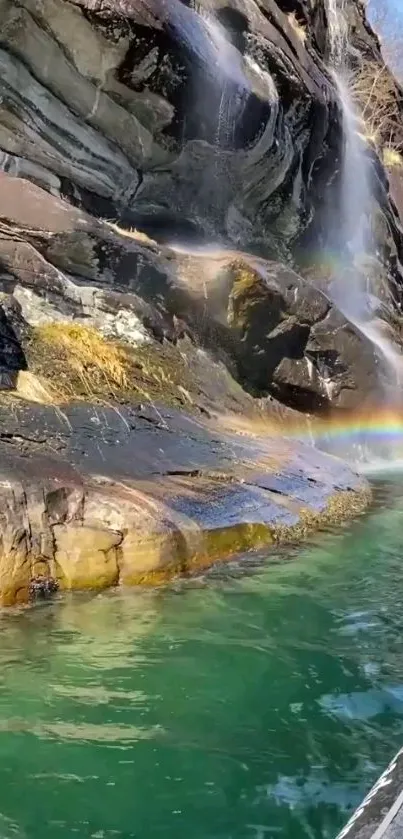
(247, 293)
(341, 506)
(245, 280)
(225, 542)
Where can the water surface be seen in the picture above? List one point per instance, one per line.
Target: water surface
(260, 701)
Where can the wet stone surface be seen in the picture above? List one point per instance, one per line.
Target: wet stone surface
(95, 496)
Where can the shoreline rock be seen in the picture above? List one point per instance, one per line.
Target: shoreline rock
(92, 498)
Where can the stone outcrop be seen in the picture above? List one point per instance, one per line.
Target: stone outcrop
(285, 336)
(127, 115)
(127, 126)
(91, 498)
(273, 331)
(103, 481)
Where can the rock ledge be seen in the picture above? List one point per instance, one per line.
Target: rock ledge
(91, 497)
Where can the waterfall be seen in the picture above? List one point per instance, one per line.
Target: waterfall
(231, 80)
(350, 287)
(338, 30)
(220, 101)
(227, 113)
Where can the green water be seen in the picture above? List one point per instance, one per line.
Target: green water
(260, 701)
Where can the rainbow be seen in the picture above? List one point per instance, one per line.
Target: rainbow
(376, 425)
(372, 440)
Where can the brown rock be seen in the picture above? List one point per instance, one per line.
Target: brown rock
(85, 557)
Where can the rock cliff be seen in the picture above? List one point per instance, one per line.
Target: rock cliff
(169, 171)
(216, 121)
(146, 112)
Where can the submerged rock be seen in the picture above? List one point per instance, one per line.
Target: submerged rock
(41, 588)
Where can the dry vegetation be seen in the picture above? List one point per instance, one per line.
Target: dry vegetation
(298, 28)
(131, 233)
(33, 388)
(392, 159)
(73, 361)
(97, 363)
(378, 98)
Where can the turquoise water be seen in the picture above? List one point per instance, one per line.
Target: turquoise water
(260, 701)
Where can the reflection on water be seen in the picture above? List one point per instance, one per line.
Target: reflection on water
(260, 701)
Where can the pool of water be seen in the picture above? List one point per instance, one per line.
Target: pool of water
(260, 701)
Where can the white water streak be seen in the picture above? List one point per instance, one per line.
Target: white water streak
(338, 31)
(350, 288)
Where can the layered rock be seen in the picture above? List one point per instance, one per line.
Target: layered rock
(221, 123)
(223, 120)
(128, 114)
(270, 328)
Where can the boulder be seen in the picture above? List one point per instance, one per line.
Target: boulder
(285, 335)
(297, 345)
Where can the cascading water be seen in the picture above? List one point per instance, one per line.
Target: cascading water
(229, 77)
(206, 41)
(354, 205)
(229, 106)
(338, 30)
(215, 95)
(350, 287)
(234, 78)
(231, 81)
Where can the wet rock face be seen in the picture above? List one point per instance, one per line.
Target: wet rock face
(216, 120)
(151, 111)
(296, 345)
(270, 329)
(157, 113)
(12, 357)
